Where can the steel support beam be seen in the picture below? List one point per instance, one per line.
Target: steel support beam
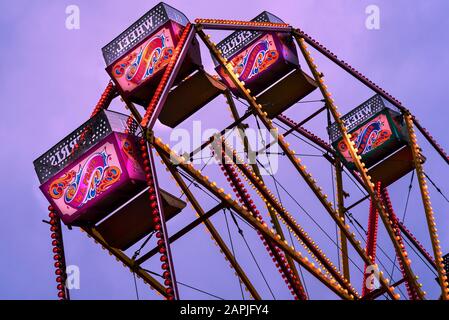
(221, 24)
(248, 150)
(257, 108)
(359, 165)
(263, 229)
(119, 255)
(416, 244)
(290, 222)
(183, 231)
(168, 78)
(210, 227)
(370, 84)
(341, 211)
(431, 225)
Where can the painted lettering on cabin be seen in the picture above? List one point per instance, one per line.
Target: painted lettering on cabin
(144, 28)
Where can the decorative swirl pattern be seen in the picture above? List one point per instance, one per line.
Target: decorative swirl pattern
(111, 175)
(120, 68)
(369, 137)
(56, 189)
(364, 141)
(128, 148)
(144, 62)
(258, 59)
(93, 177)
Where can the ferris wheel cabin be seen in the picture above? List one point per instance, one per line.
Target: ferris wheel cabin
(381, 139)
(137, 59)
(267, 62)
(97, 170)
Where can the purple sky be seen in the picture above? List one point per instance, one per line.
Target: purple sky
(54, 76)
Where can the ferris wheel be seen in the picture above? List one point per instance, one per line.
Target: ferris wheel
(102, 178)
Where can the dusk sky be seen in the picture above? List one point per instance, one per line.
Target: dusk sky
(54, 76)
